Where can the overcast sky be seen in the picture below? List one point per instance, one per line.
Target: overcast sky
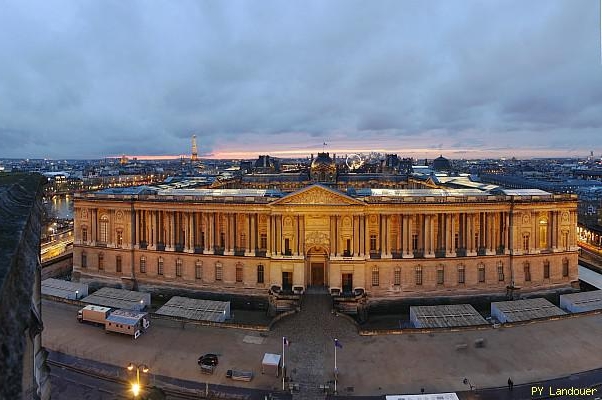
(90, 79)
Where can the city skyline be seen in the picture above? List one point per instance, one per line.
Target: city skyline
(462, 79)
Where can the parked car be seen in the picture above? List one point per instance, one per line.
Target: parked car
(208, 359)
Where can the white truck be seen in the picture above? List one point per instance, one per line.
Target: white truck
(132, 323)
(94, 314)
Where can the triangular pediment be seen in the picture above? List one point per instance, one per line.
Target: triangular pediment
(318, 195)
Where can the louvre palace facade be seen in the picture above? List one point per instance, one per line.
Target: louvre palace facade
(390, 243)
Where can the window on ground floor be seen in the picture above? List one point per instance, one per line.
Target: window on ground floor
(260, 273)
(418, 275)
(461, 274)
(397, 276)
(375, 276)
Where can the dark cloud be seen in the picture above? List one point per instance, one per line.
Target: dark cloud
(91, 79)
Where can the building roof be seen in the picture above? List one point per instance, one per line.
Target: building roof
(584, 300)
(195, 309)
(117, 298)
(446, 316)
(61, 288)
(125, 317)
(524, 310)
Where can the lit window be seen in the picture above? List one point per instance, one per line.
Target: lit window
(119, 238)
(104, 228)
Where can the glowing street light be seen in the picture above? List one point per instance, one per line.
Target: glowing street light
(136, 388)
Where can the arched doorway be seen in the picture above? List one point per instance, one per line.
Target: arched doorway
(317, 262)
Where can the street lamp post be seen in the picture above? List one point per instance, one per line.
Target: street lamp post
(139, 367)
(76, 294)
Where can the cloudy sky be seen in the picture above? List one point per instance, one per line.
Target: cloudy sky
(462, 78)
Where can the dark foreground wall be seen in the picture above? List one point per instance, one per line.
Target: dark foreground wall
(23, 371)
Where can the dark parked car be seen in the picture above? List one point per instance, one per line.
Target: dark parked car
(208, 359)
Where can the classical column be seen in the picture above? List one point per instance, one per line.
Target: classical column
(269, 236)
(302, 234)
(354, 241)
(449, 235)
(470, 236)
(253, 234)
(366, 231)
(136, 228)
(386, 232)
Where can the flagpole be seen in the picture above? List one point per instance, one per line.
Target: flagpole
(335, 366)
(283, 367)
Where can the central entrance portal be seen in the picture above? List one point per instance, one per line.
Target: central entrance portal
(317, 273)
(317, 266)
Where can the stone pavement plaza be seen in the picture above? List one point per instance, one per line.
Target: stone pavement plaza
(370, 365)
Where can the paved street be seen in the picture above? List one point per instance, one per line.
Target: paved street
(368, 365)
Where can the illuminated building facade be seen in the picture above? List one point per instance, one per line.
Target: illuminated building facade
(393, 243)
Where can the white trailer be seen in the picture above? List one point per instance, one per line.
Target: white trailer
(94, 314)
(128, 322)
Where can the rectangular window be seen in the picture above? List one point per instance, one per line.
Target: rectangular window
(526, 242)
(546, 270)
(527, 272)
(348, 247)
(143, 264)
(160, 266)
(372, 242)
(456, 241)
(101, 262)
(418, 273)
(222, 239)
(84, 260)
(118, 263)
(178, 267)
(500, 272)
(481, 273)
(263, 241)
(260, 273)
(375, 277)
(119, 238)
(440, 276)
(397, 277)
(103, 230)
(85, 235)
(239, 273)
(218, 271)
(565, 268)
(243, 240)
(198, 270)
(461, 275)
(415, 242)
(287, 249)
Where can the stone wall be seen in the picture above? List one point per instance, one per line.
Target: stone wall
(22, 358)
